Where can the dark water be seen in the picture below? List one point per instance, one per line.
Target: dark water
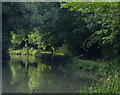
(47, 74)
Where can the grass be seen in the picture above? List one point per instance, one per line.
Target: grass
(109, 81)
(31, 51)
(25, 51)
(109, 85)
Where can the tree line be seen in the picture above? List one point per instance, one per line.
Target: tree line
(87, 30)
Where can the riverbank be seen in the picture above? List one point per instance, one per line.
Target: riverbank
(31, 51)
(109, 81)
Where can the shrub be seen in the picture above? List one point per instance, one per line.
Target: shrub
(109, 85)
(63, 50)
(25, 51)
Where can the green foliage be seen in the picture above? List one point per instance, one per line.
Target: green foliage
(109, 85)
(18, 18)
(110, 68)
(74, 29)
(109, 81)
(106, 16)
(102, 22)
(16, 39)
(77, 28)
(32, 51)
(63, 50)
(25, 51)
(34, 37)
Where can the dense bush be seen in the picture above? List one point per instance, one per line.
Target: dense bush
(26, 51)
(109, 85)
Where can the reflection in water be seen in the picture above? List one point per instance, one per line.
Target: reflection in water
(26, 74)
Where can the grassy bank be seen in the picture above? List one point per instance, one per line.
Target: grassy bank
(109, 81)
(25, 51)
(105, 85)
(31, 51)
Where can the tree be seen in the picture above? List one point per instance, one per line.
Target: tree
(101, 21)
(19, 18)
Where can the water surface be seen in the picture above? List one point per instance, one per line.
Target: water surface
(46, 74)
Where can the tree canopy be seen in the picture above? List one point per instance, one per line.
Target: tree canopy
(72, 28)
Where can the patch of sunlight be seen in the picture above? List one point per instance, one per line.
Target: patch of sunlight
(45, 52)
(58, 54)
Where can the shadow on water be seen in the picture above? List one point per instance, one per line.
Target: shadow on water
(52, 74)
